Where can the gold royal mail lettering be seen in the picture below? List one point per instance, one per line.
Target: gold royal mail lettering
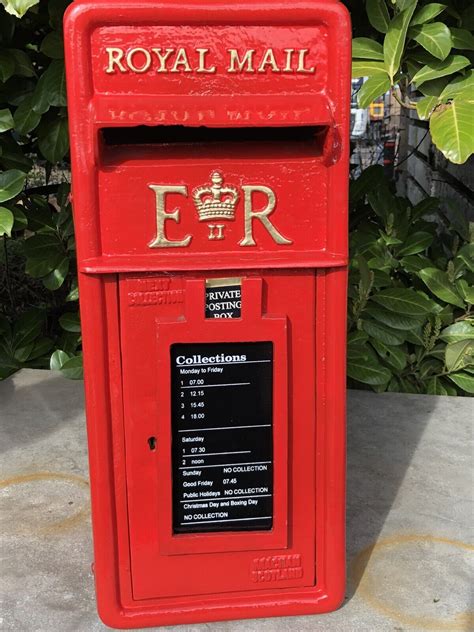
(199, 60)
(215, 201)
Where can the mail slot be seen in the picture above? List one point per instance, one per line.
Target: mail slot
(210, 169)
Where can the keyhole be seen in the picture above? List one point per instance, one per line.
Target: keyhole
(152, 443)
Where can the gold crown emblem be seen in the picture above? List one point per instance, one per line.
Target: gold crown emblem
(215, 201)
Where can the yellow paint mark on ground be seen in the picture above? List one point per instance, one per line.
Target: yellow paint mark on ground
(363, 576)
(58, 526)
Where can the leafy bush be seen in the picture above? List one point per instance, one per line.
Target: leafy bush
(411, 295)
(38, 282)
(410, 299)
(422, 49)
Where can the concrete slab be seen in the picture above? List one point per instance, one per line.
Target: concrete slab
(410, 515)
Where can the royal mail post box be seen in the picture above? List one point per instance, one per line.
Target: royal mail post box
(209, 149)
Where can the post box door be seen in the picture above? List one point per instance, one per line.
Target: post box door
(220, 461)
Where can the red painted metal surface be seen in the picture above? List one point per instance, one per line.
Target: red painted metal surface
(269, 131)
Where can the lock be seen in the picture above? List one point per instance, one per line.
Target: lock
(209, 158)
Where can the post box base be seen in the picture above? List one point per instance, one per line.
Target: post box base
(306, 602)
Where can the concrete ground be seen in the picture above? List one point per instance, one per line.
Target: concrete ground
(410, 513)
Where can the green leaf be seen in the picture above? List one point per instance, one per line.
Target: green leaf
(367, 68)
(52, 45)
(25, 118)
(415, 243)
(460, 86)
(56, 277)
(365, 276)
(20, 221)
(357, 338)
(452, 130)
(378, 15)
(56, 10)
(44, 253)
(465, 290)
(391, 319)
(420, 56)
(438, 282)
(382, 201)
(73, 294)
(424, 207)
(466, 254)
(70, 321)
(58, 359)
(72, 368)
(437, 69)
(40, 95)
(374, 87)
(427, 13)
(368, 372)
(415, 263)
(464, 381)
(11, 183)
(404, 301)
(381, 279)
(467, 17)
(393, 386)
(462, 38)
(18, 8)
(6, 120)
(434, 37)
(7, 66)
(27, 328)
(368, 180)
(462, 330)
(459, 354)
(21, 354)
(366, 48)
(55, 84)
(394, 41)
(358, 351)
(408, 386)
(434, 386)
(434, 87)
(431, 366)
(12, 156)
(41, 347)
(23, 65)
(383, 333)
(402, 4)
(6, 221)
(54, 141)
(41, 216)
(395, 357)
(425, 107)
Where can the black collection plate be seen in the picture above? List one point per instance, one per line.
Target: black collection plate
(222, 436)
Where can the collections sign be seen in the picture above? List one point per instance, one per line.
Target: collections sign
(222, 445)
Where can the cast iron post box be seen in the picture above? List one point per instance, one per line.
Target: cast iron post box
(209, 147)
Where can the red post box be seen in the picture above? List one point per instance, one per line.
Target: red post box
(209, 150)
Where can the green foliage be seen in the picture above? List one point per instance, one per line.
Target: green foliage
(420, 50)
(38, 282)
(18, 8)
(411, 324)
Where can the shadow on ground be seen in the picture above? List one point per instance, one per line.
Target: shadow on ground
(383, 432)
(37, 407)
